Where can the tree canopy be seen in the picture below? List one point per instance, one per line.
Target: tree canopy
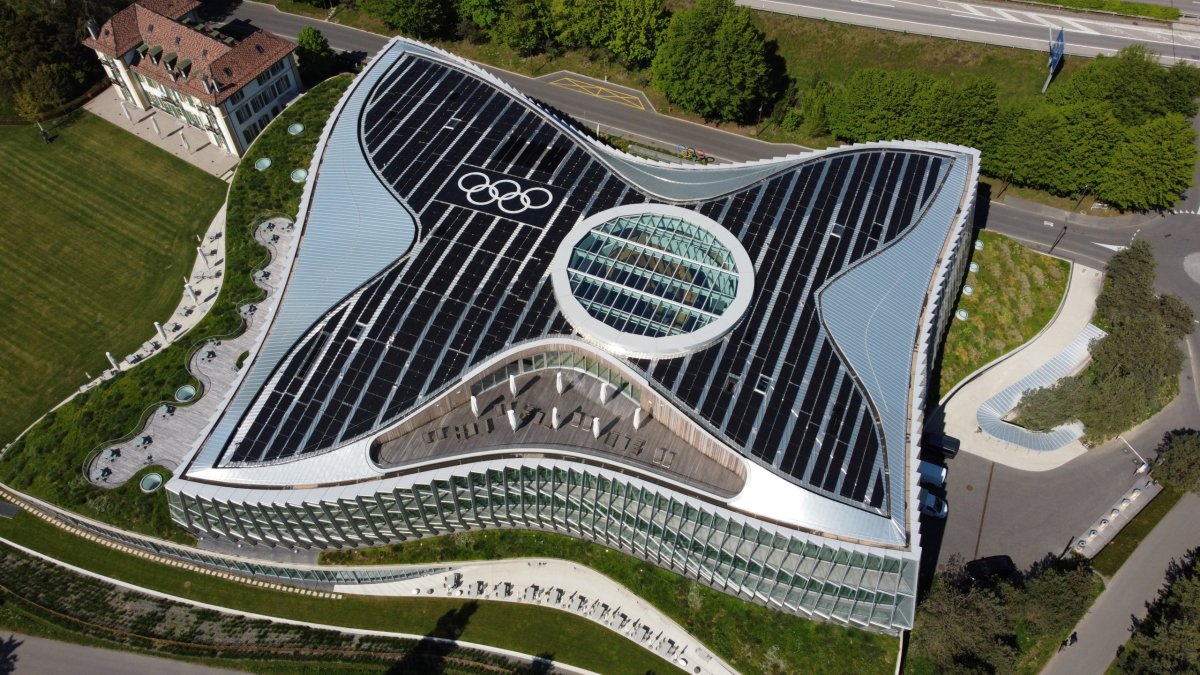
(1165, 641)
(418, 18)
(985, 626)
(40, 56)
(1179, 460)
(1134, 369)
(317, 59)
(713, 61)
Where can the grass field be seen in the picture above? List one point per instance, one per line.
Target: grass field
(1110, 559)
(1017, 291)
(47, 461)
(97, 232)
(531, 630)
(753, 639)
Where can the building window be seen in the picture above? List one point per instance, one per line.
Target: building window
(236, 97)
(262, 79)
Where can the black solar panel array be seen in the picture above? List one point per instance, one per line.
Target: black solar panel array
(476, 283)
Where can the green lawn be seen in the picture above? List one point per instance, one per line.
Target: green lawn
(98, 229)
(1017, 291)
(531, 630)
(753, 639)
(1160, 12)
(1109, 560)
(47, 461)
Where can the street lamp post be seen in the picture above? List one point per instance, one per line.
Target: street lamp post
(1145, 465)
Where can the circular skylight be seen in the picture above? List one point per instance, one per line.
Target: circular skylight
(651, 280)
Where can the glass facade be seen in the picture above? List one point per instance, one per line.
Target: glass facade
(653, 275)
(785, 569)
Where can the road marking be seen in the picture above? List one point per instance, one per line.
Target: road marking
(600, 92)
(1112, 247)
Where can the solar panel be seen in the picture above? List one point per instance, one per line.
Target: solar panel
(497, 188)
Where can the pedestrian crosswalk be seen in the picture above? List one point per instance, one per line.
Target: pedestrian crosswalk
(1191, 212)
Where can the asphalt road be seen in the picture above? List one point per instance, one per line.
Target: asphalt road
(994, 509)
(38, 656)
(1010, 25)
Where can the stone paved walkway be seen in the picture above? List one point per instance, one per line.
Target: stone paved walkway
(173, 431)
(569, 587)
(171, 135)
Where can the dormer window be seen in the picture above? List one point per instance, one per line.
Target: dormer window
(150, 28)
(227, 71)
(176, 40)
(259, 49)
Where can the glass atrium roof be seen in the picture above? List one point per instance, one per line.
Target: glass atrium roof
(652, 274)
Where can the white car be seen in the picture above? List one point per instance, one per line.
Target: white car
(931, 504)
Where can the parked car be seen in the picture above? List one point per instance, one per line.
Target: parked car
(931, 504)
(947, 445)
(931, 474)
(991, 566)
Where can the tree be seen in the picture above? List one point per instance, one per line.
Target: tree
(483, 13)
(713, 61)
(317, 59)
(1133, 82)
(42, 91)
(633, 29)
(1152, 166)
(1129, 284)
(1179, 461)
(525, 27)
(581, 23)
(1165, 641)
(418, 18)
(877, 105)
(960, 628)
(1177, 315)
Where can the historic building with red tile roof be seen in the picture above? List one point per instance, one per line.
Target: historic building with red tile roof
(159, 55)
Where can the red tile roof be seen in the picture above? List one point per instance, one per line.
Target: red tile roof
(231, 66)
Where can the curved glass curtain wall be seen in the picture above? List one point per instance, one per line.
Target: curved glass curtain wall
(727, 551)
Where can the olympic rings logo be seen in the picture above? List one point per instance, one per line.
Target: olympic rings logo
(512, 199)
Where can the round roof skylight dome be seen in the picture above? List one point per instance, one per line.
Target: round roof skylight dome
(652, 280)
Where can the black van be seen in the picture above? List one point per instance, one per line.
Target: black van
(947, 445)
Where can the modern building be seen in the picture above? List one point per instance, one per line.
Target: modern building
(495, 321)
(158, 54)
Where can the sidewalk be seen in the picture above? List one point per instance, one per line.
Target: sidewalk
(1107, 624)
(568, 587)
(959, 412)
(171, 135)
